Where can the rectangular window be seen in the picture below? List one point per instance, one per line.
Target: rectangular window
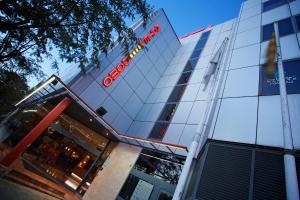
(267, 31)
(168, 112)
(271, 4)
(205, 35)
(177, 93)
(193, 62)
(292, 78)
(188, 67)
(159, 130)
(133, 187)
(285, 27)
(200, 44)
(298, 22)
(196, 54)
(184, 78)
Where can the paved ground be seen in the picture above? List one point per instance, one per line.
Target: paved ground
(12, 191)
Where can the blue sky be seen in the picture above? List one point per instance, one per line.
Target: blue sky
(185, 17)
(190, 15)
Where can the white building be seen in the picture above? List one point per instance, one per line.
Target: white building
(160, 96)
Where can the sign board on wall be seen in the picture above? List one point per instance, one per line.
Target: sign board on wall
(115, 72)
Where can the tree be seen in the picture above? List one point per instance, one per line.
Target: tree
(12, 88)
(30, 29)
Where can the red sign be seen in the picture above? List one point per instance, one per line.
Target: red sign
(197, 31)
(116, 71)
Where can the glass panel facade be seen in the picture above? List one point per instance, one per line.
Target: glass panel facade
(271, 4)
(297, 18)
(285, 27)
(21, 123)
(154, 173)
(168, 111)
(267, 31)
(292, 78)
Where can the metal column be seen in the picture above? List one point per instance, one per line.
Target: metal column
(292, 190)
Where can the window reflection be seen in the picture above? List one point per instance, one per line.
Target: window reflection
(162, 166)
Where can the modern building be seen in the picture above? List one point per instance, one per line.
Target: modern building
(124, 129)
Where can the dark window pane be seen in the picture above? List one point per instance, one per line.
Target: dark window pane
(298, 22)
(165, 167)
(285, 27)
(196, 53)
(267, 31)
(271, 4)
(184, 78)
(188, 67)
(158, 131)
(194, 62)
(200, 44)
(168, 112)
(165, 196)
(177, 93)
(205, 35)
(292, 79)
(133, 184)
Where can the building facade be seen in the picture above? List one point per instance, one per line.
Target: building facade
(144, 110)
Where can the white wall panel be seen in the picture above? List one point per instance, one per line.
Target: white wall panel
(294, 106)
(190, 92)
(164, 94)
(182, 112)
(168, 55)
(173, 133)
(269, 127)
(197, 112)
(161, 65)
(154, 111)
(289, 47)
(112, 109)
(253, 11)
(144, 90)
(295, 7)
(153, 77)
(143, 113)
(197, 76)
(172, 80)
(237, 120)
(153, 96)
(133, 106)
(250, 3)
(81, 84)
(121, 93)
(227, 25)
(203, 62)
(144, 64)
(247, 38)
(122, 122)
(244, 57)
(134, 77)
(242, 82)
(94, 95)
(187, 135)
(249, 23)
(275, 14)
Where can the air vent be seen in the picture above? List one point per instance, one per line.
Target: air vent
(101, 111)
(226, 174)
